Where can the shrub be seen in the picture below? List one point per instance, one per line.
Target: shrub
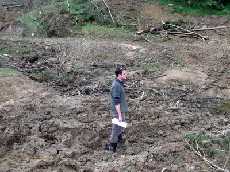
(197, 7)
(215, 4)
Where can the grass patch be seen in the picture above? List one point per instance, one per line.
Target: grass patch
(102, 56)
(178, 63)
(210, 145)
(224, 107)
(5, 72)
(15, 50)
(31, 22)
(104, 31)
(43, 76)
(197, 9)
(151, 67)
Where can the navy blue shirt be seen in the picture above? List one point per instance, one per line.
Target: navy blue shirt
(118, 96)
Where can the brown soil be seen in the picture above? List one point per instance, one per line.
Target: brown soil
(55, 116)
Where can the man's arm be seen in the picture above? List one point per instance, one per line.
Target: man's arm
(116, 95)
(118, 109)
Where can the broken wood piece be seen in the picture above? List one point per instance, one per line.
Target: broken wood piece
(177, 33)
(12, 5)
(211, 28)
(183, 34)
(210, 163)
(186, 30)
(154, 29)
(142, 31)
(180, 30)
(109, 11)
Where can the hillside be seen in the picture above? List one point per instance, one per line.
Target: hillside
(55, 97)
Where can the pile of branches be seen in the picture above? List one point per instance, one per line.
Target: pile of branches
(172, 28)
(91, 10)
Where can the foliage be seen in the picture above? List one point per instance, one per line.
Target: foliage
(5, 72)
(216, 4)
(88, 11)
(31, 22)
(197, 7)
(151, 67)
(42, 76)
(210, 145)
(224, 107)
(106, 31)
(179, 63)
(80, 9)
(20, 49)
(65, 17)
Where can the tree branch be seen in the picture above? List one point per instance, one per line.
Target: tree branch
(188, 31)
(109, 11)
(211, 28)
(197, 152)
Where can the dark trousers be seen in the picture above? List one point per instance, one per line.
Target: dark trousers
(116, 130)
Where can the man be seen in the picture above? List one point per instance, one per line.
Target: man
(119, 107)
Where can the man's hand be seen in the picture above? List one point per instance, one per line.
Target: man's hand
(119, 118)
(118, 109)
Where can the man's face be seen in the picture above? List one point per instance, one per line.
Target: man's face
(124, 75)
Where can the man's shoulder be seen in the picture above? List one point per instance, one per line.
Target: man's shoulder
(115, 83)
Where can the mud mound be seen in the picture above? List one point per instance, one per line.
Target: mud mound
(196, 77)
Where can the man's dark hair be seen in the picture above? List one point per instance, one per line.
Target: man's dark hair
(119, 69)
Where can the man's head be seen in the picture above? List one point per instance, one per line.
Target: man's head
(121, 73)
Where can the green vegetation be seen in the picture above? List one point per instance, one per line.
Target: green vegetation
(210, 145)
(33, 22)
(61, 18)
(197, 7)
(224, 107)
(68, 17)
(179, 63)
(4, 72)
(106, 31)
(30, 22)
(42, 76)
(87, 11)
(21, 50)
(151, 67)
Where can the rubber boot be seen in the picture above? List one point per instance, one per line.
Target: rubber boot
(111, 147)
(120, 140)
(114, 146)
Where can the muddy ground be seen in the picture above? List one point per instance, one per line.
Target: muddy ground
(55, 112)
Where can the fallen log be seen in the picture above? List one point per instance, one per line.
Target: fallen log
(183, 34)
(155, 29)
(5, 26)
(12, 5)
(211, 28)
